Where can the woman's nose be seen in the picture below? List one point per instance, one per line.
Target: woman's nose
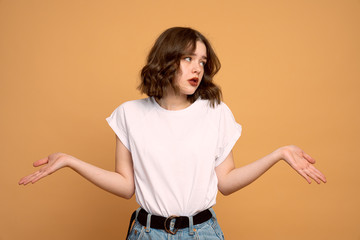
(196, 67)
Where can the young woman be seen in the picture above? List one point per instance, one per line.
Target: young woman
(174, 148)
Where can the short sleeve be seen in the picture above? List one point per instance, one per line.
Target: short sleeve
(117, 122)
(229, 133)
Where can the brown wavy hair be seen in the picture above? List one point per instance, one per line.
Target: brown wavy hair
(163, 63)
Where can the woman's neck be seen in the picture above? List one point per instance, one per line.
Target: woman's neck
(172, 101)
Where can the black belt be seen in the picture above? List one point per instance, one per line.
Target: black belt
(163, 223)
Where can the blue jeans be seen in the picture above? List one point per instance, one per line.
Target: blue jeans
(209, 230)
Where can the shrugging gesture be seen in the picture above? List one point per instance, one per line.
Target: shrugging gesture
(302, 163)
(232, 179)
(50, 164)
(120, 182)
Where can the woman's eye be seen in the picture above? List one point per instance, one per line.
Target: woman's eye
(187, 59)
(202, 63)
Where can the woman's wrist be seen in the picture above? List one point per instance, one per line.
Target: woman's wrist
(279, 154)
(67, 160)
(285, 152)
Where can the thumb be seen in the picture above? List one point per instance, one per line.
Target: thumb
(41, 162)
(309, 158)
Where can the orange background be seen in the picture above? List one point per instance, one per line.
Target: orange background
(290, 74)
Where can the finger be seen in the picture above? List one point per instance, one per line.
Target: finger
(319, 174)
(35, 175)
(38, 177)
(27, 179)
(43, 172)
(312, 175)
(41, 162)
(308, 158)
(304, 175)
(22, 180)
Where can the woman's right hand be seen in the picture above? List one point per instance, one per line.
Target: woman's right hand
(52, 163)
(119, 182)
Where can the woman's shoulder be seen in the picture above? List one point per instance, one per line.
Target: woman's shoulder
(134, 109)
(205, 103)
(137, 104)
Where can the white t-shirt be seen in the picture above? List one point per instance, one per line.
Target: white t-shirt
(175, 153)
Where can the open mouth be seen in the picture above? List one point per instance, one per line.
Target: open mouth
(194, 81)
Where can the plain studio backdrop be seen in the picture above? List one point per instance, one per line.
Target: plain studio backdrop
(290, 74)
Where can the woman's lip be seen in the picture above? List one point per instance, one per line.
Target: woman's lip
(193, 82)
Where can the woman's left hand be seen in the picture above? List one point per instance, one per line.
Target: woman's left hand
(302, 163)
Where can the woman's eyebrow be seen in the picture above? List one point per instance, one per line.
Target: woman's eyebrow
(202, 57)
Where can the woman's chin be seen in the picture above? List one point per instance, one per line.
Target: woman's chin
(190, 92)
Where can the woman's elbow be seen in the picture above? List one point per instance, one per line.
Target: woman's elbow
(224, 190)
(130, 191)
(128, 195)
(127, 191)
(225, 193)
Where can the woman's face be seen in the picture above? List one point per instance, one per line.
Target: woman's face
(191, 70)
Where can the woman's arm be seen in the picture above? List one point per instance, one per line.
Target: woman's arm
(120, 182)
(232, 179)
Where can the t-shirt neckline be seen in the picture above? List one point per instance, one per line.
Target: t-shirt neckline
(180, 111)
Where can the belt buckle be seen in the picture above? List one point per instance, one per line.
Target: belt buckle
(168, 230)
